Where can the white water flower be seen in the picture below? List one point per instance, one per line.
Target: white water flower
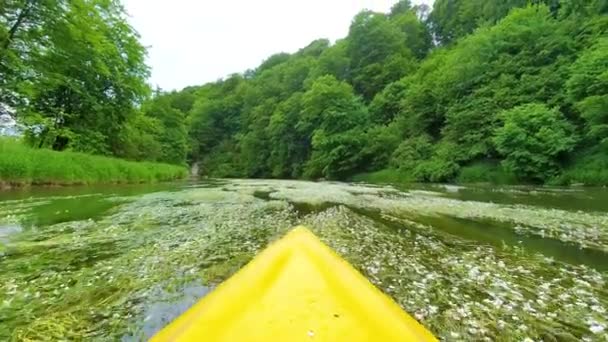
(474, 272)
(497, 302)
(597, 328)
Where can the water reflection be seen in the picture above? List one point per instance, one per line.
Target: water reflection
(7, 230)
(164, 307)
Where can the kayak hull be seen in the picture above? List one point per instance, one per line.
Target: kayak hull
(297, 289)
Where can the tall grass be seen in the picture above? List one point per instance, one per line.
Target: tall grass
(388, 176)
(590, 167)
(22, 165)
(485, 172)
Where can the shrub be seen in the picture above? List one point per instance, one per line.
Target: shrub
(532, 139)
(485, 172)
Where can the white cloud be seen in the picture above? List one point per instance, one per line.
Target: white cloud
(193, 42)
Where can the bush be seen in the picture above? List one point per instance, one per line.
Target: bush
(485, 172)
(410, 152)
(442, 166)
(591, 168)
(532, 139)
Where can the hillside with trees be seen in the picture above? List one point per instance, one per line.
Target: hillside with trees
(469, 90)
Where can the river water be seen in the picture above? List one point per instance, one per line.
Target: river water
(470, 263)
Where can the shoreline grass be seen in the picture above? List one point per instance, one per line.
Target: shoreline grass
(21, 165)
(385, 176)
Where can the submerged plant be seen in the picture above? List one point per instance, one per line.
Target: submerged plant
(96, 279)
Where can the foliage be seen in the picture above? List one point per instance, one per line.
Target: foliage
(454, 19)
(589, 167)
(485, 172)
(377, 53)
(411, 151)
(332, 114)
(412, 90)
(588, 88)
(387, 104)
(380, 142)
(441, 167)
(386, 176)
(532, 139)
(171, 132)
(22, 165)
(384, 98)
(80, 66)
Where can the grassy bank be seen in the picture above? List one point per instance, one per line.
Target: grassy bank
(589, 169)
(384, 176)
(21, 165)
(475, 173)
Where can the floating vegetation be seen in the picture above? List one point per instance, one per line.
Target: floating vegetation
(107, 279)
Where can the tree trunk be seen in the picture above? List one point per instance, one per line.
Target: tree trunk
(20, 19)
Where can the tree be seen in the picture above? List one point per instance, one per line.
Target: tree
(454, 19)
(386, 97)
(332, 116)
(82, 71)
(139, 140)
(377, 53)
(401, 7)
(22, 28)
(457, 92)
(171, 133)
(290, 146)
(254, 142)
(273, 61)
(417, 35)
(532, 139)
(216, 116)
(334, 61)
(387, 104)
(588, 88)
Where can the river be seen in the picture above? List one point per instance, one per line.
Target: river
(470, 263)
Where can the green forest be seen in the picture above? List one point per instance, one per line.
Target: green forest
(502, 91)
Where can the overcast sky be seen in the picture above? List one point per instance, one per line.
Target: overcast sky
(191, 42)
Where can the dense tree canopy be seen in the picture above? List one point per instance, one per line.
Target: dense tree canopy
(518, 85)
(384, 97)
(77, 69)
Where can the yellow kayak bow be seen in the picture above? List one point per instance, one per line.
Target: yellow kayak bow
(297, 289)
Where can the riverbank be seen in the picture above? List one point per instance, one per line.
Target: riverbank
(590, 170)
(21, 165)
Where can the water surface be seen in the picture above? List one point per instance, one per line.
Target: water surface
(471, 263)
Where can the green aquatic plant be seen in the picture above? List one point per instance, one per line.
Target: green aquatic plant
(95, 279)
